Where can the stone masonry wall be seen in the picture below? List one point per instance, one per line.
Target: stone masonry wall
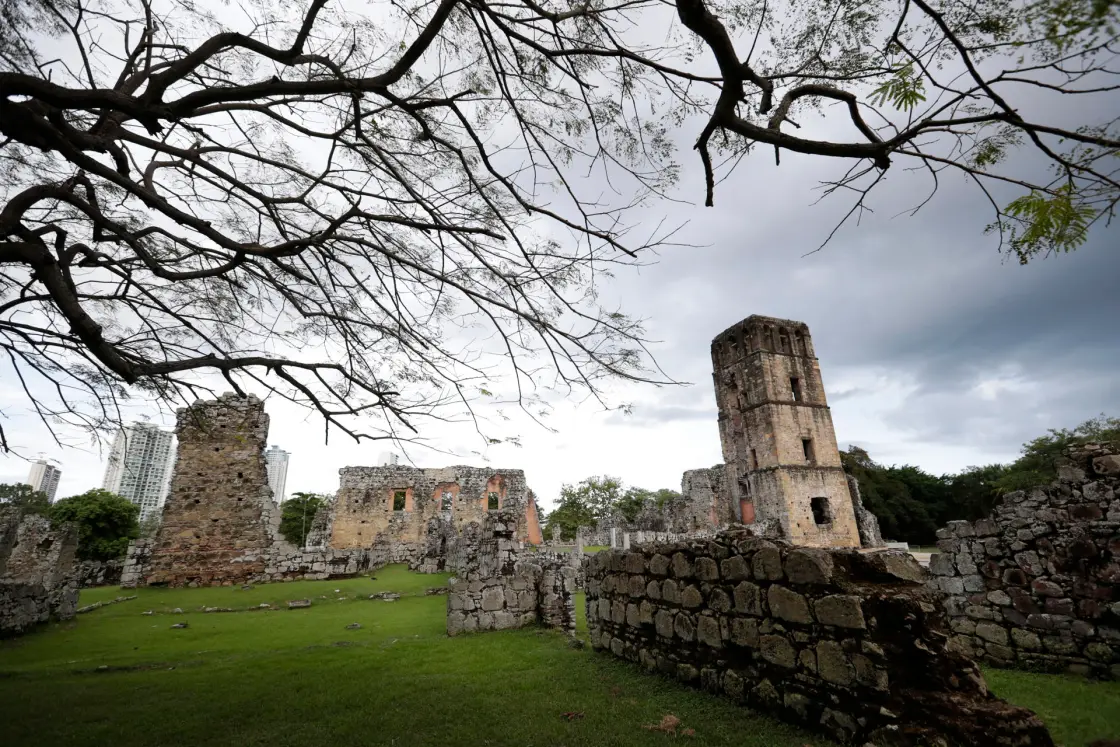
(100, 573)
(504, 588)
(1036, 585)
(365, 510)
(848, 643)
(219, 520)
(37, 572)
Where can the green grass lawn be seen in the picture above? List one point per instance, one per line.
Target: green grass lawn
(280, 677)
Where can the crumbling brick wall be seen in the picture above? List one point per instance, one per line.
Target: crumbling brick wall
(1036, 585)
(846, 643)
(503, 587)
(219, 520)
(38, 581)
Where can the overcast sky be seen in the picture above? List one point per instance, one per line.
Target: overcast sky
(935, 349)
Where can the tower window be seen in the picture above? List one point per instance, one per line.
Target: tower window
(807, 447)
(754, 459)
(783, 341)
(399, 500)
(492, 502)
(821, 514)
(795, 387)
(445, 501)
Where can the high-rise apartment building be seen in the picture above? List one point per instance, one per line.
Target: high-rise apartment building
(276, 464)
(44, 476)
(388, 459)
(140, 466)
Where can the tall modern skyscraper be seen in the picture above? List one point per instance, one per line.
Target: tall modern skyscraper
(44, 477)
(387, 459)
(276, 463)
(140, 465)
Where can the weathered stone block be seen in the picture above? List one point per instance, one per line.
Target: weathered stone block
(777, 649)
(767, 564)
(748, 598)
(991, 632)
(744, 632)
(691, 597)
(682, 566)
(840, 610)
(684, 627)
(735, 568)
(808, 566)
(833, 664)
(788, 605)
(707, 632)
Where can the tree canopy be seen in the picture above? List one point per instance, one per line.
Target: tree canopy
(297, 513)
(316, 199)
(106, 522)
(601, 497)
(20, 495)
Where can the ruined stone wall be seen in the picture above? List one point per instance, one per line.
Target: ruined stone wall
(1036, 585)
(364, 510)
(100, 573)
(847, 643)
(779, 446)
(38, 581)
(706, 502)
(504, 587)
(219, 520)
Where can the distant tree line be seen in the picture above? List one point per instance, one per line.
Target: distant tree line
(912, 504)
(598, 498)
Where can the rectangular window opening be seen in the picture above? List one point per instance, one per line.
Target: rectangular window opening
(821, 514)
(795, 387)
(445, 501)
(783, 342)
(492, 502)
(807, 447)
(754, 459)
(399, 500)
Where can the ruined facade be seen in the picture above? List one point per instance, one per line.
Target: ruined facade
(1036, 585)
(38, 578)
(397, 503)
(781, 459)
(219, 521)
(848, 643)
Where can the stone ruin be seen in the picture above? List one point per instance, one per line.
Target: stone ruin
(782, 473)
(418, 514)
(848, 643)
(219, 520)
(38, 581)
(1036, 585)
(220, 525)
(500, 586)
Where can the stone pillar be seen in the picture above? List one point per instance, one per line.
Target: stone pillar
(579, 540)
(626, 540)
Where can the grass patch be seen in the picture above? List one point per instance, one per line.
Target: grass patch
(1077, 711)
(299, 677)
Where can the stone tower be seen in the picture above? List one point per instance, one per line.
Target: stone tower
(783, 465)
(219, 519)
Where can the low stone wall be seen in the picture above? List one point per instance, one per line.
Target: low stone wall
(505, 587)
(847, 643)
(1036, 585)
(100, 573)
